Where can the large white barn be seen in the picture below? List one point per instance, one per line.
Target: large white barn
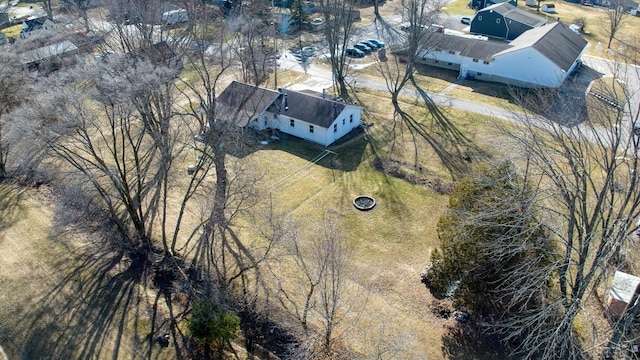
(541, 57)
(307, 115)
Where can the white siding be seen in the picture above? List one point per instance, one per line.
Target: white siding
(443, 57)
(348, 119)
(522, 67)
(320, 135)
(526, 66)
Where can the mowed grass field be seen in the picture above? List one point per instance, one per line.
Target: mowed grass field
(59, 292)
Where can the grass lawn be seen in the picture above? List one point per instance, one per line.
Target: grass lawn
(482, 92)
(55, 301)
(75, 304)
(12, 31)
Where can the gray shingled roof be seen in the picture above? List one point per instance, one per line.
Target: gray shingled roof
(511, 12)
(241, 102)
(555, 41)
(46, 52)
(469, 47)
(312, 109)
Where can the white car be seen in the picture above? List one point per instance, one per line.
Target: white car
(466, 20)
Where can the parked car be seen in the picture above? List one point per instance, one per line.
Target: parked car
(355, 53)
(373, 47)
(465, 20)
(362, 47)
(379, 44)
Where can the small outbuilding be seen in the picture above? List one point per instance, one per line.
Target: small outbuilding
(548, 8)
(622, 291)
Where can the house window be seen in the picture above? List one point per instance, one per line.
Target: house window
(274, 115)
(475, 60)
(485, 62)
(479, 74)
(452, 52)
(497, 21)
(335, 128)
(310, 128)
(351, 118)
(480, 18)
(292, 123)
(436, 61)
(450, 64)
(344, 121)
(437, 49)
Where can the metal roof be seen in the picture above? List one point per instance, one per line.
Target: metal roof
(46, 52)
(467, 46)
(555, 41)
(514, 13)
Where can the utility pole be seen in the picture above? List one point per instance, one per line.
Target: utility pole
(275, 45)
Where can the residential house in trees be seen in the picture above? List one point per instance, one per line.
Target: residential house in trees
(307, 115)
(504, 21)
(40, 27)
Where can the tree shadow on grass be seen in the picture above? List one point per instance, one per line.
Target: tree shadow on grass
(10, 203)
(97, 308)
(346, 154)
(467, 342)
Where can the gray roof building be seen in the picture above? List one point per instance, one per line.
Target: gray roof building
(304, 114)
(241, 102)
(465, 46)
(504, 21)
(555, 41)
(541, 57)
(312, 109)
(38, 55)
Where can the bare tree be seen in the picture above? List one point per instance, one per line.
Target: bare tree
(14, 88)
(82, 7)
(339, 16)
(617, 16)
(399, 72)
(589, 203)
(48, 7)
(320, 295)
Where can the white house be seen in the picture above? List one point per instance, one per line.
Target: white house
(541, 57)
(307, 115)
